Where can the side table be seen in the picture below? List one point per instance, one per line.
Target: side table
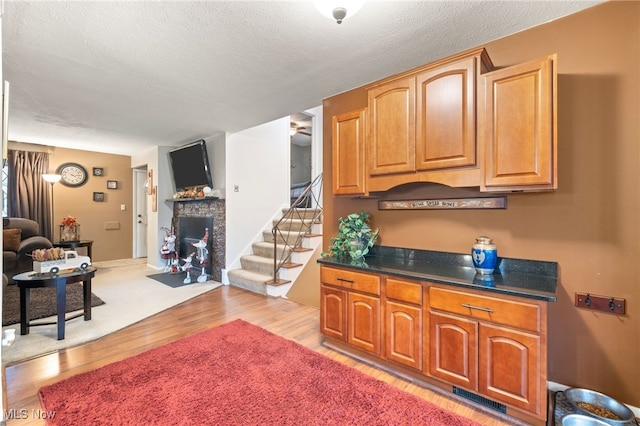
(28, 280)
(73, 245)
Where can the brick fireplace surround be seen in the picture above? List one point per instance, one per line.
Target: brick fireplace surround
(205, 207)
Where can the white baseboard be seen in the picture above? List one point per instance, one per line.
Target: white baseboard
(559, 387)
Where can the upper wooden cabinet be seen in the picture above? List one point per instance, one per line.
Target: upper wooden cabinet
(392, 133)
(446, 114)
(453, 122)
(520, 137)
(424, 121)
(348, 144)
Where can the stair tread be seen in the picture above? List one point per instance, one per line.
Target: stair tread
(277, 282)
(289, 265)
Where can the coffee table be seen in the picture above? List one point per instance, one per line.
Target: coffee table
(28, 280)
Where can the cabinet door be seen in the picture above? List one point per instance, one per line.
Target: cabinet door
(520, 127)
(333, 313)
(510, 367)
(454, 350)
(364, 322)
(446, 115)
(391, 123)
(403, 334)
(348, 144)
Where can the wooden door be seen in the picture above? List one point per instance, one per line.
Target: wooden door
(454, 350)
(510, 367)
(403, 334)
(520, 137)
(364, 322)
(391, 123)
(348, 156)
(333, 313)
(446, 115)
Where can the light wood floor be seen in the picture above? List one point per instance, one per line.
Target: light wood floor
(280, 316)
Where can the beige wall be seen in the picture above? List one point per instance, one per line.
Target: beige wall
(590, 225)
(78, 202)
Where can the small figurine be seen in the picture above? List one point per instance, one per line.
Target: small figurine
(168, 252)
(187, 267)
(202, 255)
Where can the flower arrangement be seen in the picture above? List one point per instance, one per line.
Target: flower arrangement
(69, 221)
(69, 229)
(44, 255)
(354, 238)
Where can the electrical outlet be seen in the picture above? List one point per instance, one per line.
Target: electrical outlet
(236, 188)
(123, 207)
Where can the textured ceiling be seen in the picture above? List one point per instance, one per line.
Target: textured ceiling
(121, 77)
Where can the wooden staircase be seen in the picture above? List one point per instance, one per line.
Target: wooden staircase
(296, 239)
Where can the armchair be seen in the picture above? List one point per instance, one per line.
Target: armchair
(20, 237)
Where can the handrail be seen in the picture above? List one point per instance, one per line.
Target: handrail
(308, 200)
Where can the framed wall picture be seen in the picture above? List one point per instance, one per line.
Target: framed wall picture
(112, 184)
(98, 171)
(98, 196)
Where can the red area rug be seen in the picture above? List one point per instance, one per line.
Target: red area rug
(235, 374)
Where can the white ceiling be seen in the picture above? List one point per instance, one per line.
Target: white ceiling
(123, 76)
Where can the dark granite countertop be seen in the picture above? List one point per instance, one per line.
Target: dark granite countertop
(517, 277)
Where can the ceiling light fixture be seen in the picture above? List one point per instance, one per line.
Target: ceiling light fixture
(339, 10)
(293, 129)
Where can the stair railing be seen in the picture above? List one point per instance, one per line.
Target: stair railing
(309, 201)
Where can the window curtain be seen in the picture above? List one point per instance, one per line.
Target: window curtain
(29, 195)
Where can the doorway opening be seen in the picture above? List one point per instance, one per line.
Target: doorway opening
(301, 141)
(140, 219)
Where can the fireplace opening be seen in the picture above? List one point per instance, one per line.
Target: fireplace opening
(190, 231)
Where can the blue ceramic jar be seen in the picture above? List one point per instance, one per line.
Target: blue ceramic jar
(485, 255)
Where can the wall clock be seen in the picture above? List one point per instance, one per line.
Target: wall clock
(73, 174)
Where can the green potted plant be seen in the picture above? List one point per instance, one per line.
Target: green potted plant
(354, 238)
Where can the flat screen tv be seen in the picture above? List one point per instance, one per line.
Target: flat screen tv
(190, 166)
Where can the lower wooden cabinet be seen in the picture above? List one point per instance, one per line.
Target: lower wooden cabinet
(333, 313)
(403, 334)
(493, 346)
(510, 367)
(363, 320)
(490, 345)
(454, 350)
(350, 308)
(403, 331)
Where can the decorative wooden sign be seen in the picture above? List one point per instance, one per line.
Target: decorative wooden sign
(445, 203)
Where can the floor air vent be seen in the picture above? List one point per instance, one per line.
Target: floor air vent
(480, 400)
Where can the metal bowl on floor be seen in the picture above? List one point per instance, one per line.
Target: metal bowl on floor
(601, 401)
(581, 420)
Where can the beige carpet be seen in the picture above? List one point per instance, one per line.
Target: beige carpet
(129, 297)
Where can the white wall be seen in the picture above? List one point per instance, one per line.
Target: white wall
(157, 159)
(257, 161)
(216, 149)
(258, 164)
